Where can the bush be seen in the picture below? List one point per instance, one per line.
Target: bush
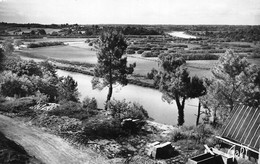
(59, 124)
(70, 109)
(130, 51)
(152, 74)
(122, 109)
(150, 54)
(20, 106)
(177, 135)
(44, 44)
(90, 105)
(102, 129)
(140, 51)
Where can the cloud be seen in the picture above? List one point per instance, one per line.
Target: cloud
(131, 11)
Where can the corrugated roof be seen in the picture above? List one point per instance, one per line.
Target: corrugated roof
(244, 126)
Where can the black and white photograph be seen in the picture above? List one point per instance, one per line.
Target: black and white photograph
(129, 81)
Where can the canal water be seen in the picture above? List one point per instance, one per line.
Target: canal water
(150, 99)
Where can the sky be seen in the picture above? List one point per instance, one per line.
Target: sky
(231, 12)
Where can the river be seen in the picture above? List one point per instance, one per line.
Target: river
(150, 99)
(181, 34)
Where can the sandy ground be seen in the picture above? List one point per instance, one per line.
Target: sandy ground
(48, 148)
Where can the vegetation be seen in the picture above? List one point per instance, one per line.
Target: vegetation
(34, 87)
(234, 80)
(176, 84)
(44, 44)
(112, 66)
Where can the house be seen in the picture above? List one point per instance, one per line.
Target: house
(239, 139)
(242, 132)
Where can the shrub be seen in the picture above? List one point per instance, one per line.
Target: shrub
(44, 44)
(177, 135)
(102, 129)
(58, 124)
(90, 105)
(150, 54)
(122, 109)
(70, 109)
(130, 51)
(140, 51)
(20, 106)
(152, 74)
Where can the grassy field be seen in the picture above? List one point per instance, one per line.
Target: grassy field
(78, 50)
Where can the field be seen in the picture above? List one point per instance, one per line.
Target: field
(77, 50)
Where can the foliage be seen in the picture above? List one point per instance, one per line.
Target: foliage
(90, 104)
(175, 83)
(8, 47)
(20, 106)
(107, 128)
(112, 66)
(2, 57)
(199, 134)
(234, 81)
(152, 74)
(122, 109)
(44, 44)
(149, 54)
(13, 85)
(70, 109)
(67, 89)
(130, 51)
(58, 124)
(29, 68)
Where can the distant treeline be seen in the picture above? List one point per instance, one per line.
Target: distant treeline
(237, 33)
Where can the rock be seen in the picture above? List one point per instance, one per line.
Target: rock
(160, 151)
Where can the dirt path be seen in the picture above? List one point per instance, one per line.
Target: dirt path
(48, 148)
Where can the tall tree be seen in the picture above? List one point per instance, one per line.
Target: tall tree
(112, 65)
(176, 84)
(2, 57)
(234, 81)
(197, 89)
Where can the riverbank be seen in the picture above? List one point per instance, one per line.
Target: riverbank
(38, 133)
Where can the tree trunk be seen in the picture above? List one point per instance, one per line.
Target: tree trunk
(109, 95)
(180, 109)
(110, 90)
(198, 115)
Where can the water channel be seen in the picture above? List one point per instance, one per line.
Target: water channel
(150, 99)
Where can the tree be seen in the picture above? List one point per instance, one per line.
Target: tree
(2, 57)
(197, 89)
(234, 81)
(176, 84)
(112, 66)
